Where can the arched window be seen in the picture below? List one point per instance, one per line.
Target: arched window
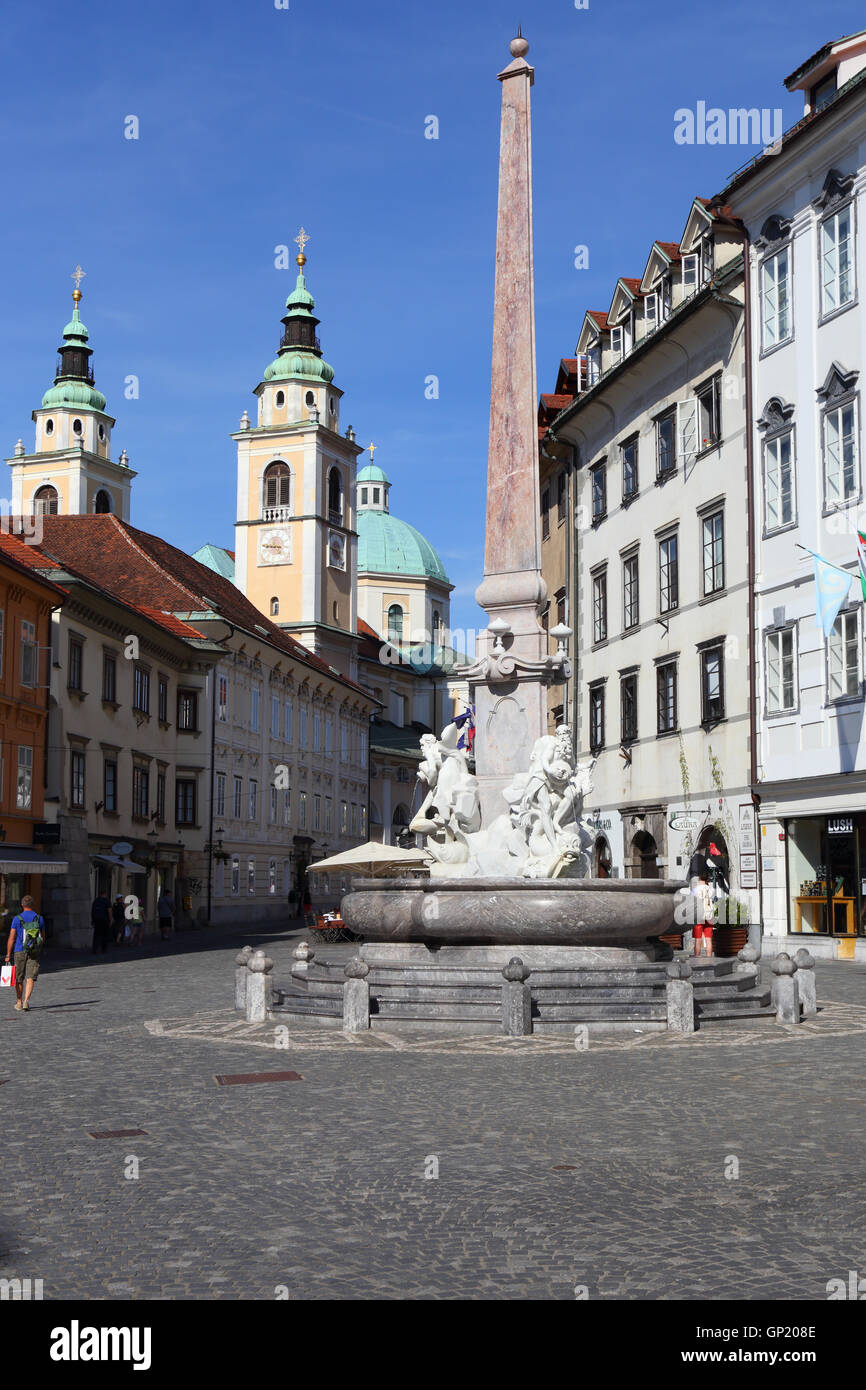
(395, 624)
(102, 501)
(277, 490)
(45, 501)
(400, 816)
(275, 607)
(335, 495)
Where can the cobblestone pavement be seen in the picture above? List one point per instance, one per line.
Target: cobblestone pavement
(556, 1168)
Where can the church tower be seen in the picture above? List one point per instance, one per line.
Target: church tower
(70, 470)
(296, 544)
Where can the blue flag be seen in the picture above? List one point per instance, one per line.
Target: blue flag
(831, 591)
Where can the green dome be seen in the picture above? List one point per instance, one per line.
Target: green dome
(300, 298)
(373, 474)
(75, 393)
(75, 328)
(303, 364)
(387, 545)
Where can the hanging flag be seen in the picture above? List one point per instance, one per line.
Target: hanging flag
(831, 591)
(861, 561)
(466, 722)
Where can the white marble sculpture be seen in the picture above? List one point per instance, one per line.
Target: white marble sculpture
(541, 835)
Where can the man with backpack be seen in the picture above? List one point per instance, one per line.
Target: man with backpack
(24, 947)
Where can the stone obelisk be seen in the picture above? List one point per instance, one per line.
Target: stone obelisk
(511, 710)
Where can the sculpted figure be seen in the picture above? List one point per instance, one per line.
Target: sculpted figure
(546, 805)
(450, 809)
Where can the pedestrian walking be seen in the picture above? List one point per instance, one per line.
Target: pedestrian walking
(118, 919)
(705, 915)
(135, 924)
(165, 913)
(100, 920)
(24, 947)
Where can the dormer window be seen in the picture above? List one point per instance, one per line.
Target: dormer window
(616, 343)
(690, 276)
(823, 92)
(650, 312)
(665, 297)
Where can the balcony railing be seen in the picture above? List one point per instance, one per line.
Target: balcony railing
(276, 514)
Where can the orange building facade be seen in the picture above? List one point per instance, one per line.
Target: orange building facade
(26, 604)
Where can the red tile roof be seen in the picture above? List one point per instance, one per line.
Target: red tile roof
(630, 283)
(24, 557)
(600, 316)
(670, 248)
(146, 573)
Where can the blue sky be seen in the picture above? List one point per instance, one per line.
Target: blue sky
(254, 120)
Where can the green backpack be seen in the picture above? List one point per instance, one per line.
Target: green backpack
(32, 930)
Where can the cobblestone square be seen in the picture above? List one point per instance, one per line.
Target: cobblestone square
(460, 1168)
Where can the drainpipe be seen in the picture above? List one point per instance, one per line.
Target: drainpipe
(750, 509)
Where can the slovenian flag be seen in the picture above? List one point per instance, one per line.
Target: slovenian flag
(861, 561)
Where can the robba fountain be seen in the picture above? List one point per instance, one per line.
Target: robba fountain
(509, 905)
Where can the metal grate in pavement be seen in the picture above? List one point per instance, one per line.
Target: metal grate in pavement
(253, 1078)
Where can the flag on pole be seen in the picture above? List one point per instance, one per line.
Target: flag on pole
(831, 590)
(861, 561)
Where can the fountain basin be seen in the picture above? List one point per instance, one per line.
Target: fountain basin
(587, 912)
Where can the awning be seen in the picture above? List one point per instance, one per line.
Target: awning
(118, 863)
(29, 861)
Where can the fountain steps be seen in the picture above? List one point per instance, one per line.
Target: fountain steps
(560, 997)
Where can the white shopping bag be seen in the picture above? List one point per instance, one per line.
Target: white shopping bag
(7, 975)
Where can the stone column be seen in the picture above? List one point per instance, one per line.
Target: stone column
(512, 714)
(680, 997)
(806, 984)
(516, 999)
(259, 987)
(241, 962)
(356, 997)
(785, 994)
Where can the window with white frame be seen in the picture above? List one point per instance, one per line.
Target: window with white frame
(287, 721)
(24, 785)
(713, 529)
(236, 876)
(254, 799)
(317, 812)
(254, 710)
(275, 716)
(287, 806)
(220, 795)
(317, 732)
(775, 299)
(708, 398)
(665, 297)
(843, 657)
(273, 805)
(596, 718)
(302, 810)
(599, 607)
(251, 876)
(630, 592)
(687, 430)
(599, 491)
(712, 684)
(222, 698)
(669, 573)
(781, 674)
(690, 275)
(302, 727)
(666, 444)
(272, 876)
(666, 697)
(780, 503)
(650, 312)
(593, 364)
(238, 798)
(628, 454)
(841, 455)
(628, 707)
(329, 735)
(28, 653)
(344, 741)
(837, 261)
(616, 343)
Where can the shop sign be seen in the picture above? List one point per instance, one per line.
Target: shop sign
(121, 848)
(682, 824)
(46, 833)
(600, 823)
(840, 825)
(748, 863)
(747, 828)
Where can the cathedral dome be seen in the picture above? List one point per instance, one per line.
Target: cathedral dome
(387, 545)
(74, 393)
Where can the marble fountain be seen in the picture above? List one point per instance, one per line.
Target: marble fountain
(509, 932)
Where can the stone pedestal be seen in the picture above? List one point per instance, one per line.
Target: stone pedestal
(356, 998)
(680, 997)
(259, 988)
(241, 972)
(786, 996)
(806, 986)
(516, 999)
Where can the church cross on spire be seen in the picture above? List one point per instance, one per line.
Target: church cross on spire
(77, 275)
(302, 240)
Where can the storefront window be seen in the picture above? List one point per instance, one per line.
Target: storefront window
(825, 855)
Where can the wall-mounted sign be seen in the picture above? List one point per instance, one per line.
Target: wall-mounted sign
(768, 865)
(121, 848)
(600, 823)
(682, 824)
(840, 825)
(748, 880)
(748, 864)
(747, 828)
(46, 833)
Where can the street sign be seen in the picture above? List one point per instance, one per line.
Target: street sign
(684, 823)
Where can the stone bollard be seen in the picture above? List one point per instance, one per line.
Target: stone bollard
(805, 980)
(680, 997)
(241, 962)
(356, 997)
(747, 960)
(785, 995)
(259, 987)
(516, 999)
(303, 956)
